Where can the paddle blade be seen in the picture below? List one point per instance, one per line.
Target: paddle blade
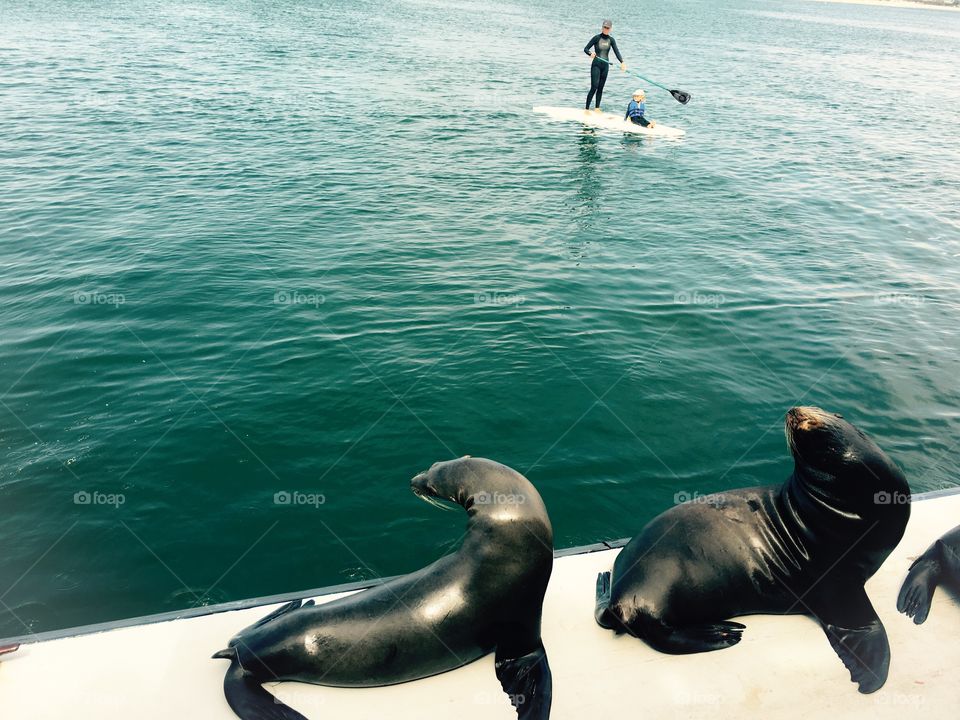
(681, 97)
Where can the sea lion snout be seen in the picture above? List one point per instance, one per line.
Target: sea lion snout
(442, 479)
(818, 439)
(806, 418)
(420, 484)
(436, 484)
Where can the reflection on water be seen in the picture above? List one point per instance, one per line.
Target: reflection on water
(588, 170)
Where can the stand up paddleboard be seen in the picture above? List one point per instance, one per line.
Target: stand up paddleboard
(608, 121)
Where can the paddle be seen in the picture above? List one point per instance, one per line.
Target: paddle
(681, 97)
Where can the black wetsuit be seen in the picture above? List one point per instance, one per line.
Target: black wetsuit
(601, 45)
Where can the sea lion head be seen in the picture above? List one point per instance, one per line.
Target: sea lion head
(839, 460)
(445, 480)
(479, 486)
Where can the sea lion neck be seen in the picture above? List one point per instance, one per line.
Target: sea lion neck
(510, 504)
(811, 499)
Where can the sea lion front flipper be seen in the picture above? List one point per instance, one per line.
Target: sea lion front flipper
(691, 638)
(857, 636)
(917, 590)
(250, 700)
(528, 682)
(282, 610)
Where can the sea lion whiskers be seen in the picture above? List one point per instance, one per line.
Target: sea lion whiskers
(430, 500)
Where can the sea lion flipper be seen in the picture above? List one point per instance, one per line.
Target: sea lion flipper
(692, 638)
(917, 590)
(282, 610)
(528, 682)
(250, 700)
(602, 607)
(865, 651)
(8, 648)
(856, 634)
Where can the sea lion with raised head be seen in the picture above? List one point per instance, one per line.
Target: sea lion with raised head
(806, 546)
(940, 564)
(487, 596)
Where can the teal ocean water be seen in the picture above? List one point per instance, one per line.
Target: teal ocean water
(260, 263)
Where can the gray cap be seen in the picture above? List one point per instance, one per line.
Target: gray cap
(607, 24)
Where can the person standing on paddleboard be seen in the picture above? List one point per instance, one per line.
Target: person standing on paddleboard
(599, 49)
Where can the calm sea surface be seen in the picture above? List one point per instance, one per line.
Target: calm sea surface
(253, 252)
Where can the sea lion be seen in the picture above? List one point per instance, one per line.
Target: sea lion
(940, 564)
(487, 596)
(806, 546)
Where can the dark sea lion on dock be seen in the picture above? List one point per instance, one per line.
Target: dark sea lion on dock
(485, 597)
(806, 546)
(940, 564)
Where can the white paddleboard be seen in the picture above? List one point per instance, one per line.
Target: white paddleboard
(608, 121)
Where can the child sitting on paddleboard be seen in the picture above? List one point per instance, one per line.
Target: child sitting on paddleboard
(636, 109)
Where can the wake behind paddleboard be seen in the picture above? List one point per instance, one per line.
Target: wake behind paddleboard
(608, 121)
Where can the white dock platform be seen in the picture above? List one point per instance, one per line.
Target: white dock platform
(784, 667)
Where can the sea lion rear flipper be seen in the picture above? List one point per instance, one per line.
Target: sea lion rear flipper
(8, 648)
(857, 636)
(917, 590)
(250, 700)
(528, 682)
(602, 607)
